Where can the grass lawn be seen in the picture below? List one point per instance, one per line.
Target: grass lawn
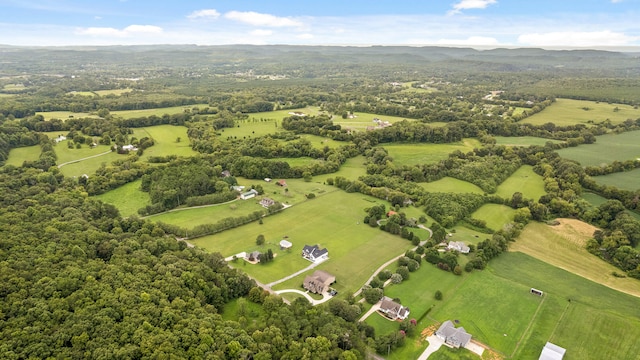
(192, 217)
(598, 322)
(495, 215)
(233, 310)
(352, 169)
(334, 221)
(524, 180)
(414, 154)
(90, 166)
(82, 93)
(126, 114)
(447, 353)
(128, 198)
(64, 115)
(570, 112)
(301, 161)
(523, 141)
(320, 142)
(564, 246)
(468, 236)
(66, 154)
(627, 180)
(609, 147)
(248, 129)
(19, 155)
(164, 137)
(362, 120)
(452, 185)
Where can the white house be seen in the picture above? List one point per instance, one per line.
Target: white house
(314, 253)
(392, 309)
(249, 194)
(458, 246)
(129, 148)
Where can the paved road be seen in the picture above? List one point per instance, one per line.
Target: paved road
(78, 160)
(291, 276)
(434, 344)
(373, 309)
(325, 296)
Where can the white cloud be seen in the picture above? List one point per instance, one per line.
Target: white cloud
(305, 36)
(576, 38)
(258, 19)
(470, 41)
(208, 14)
(470, 4)
(130, 30)
(261, 32)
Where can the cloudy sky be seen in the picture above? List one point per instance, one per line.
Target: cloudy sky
(539, 23)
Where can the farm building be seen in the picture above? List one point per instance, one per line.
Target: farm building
(249, 194)
(266, 202)
(390, 213)
(237, 188)
(458, 246)
(552, 352)
(60, 138)
(129, 148)
(452, 336)
(314, 253)
(285, 244)
(281, 183)
(318, 282)
(392, 309)
(226, 173)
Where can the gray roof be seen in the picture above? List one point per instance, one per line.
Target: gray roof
(452, 335)
(552, 352)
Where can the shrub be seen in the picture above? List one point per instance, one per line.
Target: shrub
(438, 295)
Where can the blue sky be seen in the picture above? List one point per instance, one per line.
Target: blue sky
(492, 23)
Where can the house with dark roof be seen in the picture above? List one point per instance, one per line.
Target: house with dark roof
(314, 253)
(266, 202)
(392, 309)
(318, 282)
(254, 256)
(452, 336)
(552, 352)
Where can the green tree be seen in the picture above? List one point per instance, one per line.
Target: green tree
(260, 240)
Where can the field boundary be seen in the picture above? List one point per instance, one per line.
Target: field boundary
(525, 333)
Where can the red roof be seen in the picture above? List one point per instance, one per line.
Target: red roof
(391, 213)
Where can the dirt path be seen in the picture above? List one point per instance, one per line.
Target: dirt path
(87, 158)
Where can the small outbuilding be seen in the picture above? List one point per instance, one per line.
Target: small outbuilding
(281, 183)
(552, 352)
(266, 202)
(249, 194)
(285, 244)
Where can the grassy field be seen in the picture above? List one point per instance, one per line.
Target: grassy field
(523, 141)
(627, 180)
(128, 198)
(564, 246)
(90, 166)
(609, 147)
(82, 93)
(334, 221)
(413, 154)
(116, 92)
(191, 217)
(362, 120)
(588, 325)
(19, 155)
(495, 215)
(468, 236)
(452, 185)
(524, 180)
(352, 169)
(570, 112)
(126, 114)
(164, 137)
(63, 115)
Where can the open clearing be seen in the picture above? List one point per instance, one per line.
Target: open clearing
(17, 156)
(64, 115)
(564, 246)
(452, 185)
(571, 112)
(362, 120)
(627, 180)
(523, 141)
(352, 169)
(496, 216)
(415, 154)
(607, 148)
(127, 114)
(523, 180)
(164, 138)
(128, 198)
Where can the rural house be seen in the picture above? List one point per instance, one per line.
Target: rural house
(254, 256)
(392, 309)
(314, 253)
(249, 194)
(552, 352)
(458, 246)
(318, 282)
(226, 173)
(452, 336)
(266, 202)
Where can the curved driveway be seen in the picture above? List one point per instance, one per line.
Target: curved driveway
(325, 296)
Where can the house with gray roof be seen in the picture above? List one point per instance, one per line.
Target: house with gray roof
(392, 309)
(452, 336)
(318, 282)
(314, 253)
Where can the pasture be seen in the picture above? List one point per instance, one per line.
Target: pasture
(334, 221)
(128, 198)
(361, 121)
(415, 154)
(127, 114)
(451, 185)
(89, 166)
(17, 156)
(165, 140)
(86, 160)
(627, 180)
(563, 246)
(352, 169)
(606, 149)
(64, 115)
(496, 216)
(189, 218)
(523, 180)
(571, 112)
(523, 140)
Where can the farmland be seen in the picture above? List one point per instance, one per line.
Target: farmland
(413, 154)
(496, 216)
(523, 180)
(571, 112)
(627, 180)
(165, 140)
(609, 147)
(523, 141)
(361, 121)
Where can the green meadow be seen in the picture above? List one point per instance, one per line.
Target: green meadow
(452, 185)
(352, 169)
(17, 156)
(90, 166)
(523, 141)
(165, 141)
(126, 114)
(627, 180)
(333, 221)
(191, 217)
(606, 149)
(496, 216)
(128, 198)
(116, 92)
(414, 154)
(523, 180)
(63, 115)
(362, 120)
(571, 112)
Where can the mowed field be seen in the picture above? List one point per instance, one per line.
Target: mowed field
(523, 180)
(496, 216)
(333, 221)
(452, 185)
(414, 154)
(606, 149)
(571, 112)
(627, 180)
(86, 160)
(564, 246)
(523, 141)
(17, 156)
(164, 137)
(362, 120)
(128, 198)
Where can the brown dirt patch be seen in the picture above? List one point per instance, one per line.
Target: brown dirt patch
(428, 331)
(576, 231)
